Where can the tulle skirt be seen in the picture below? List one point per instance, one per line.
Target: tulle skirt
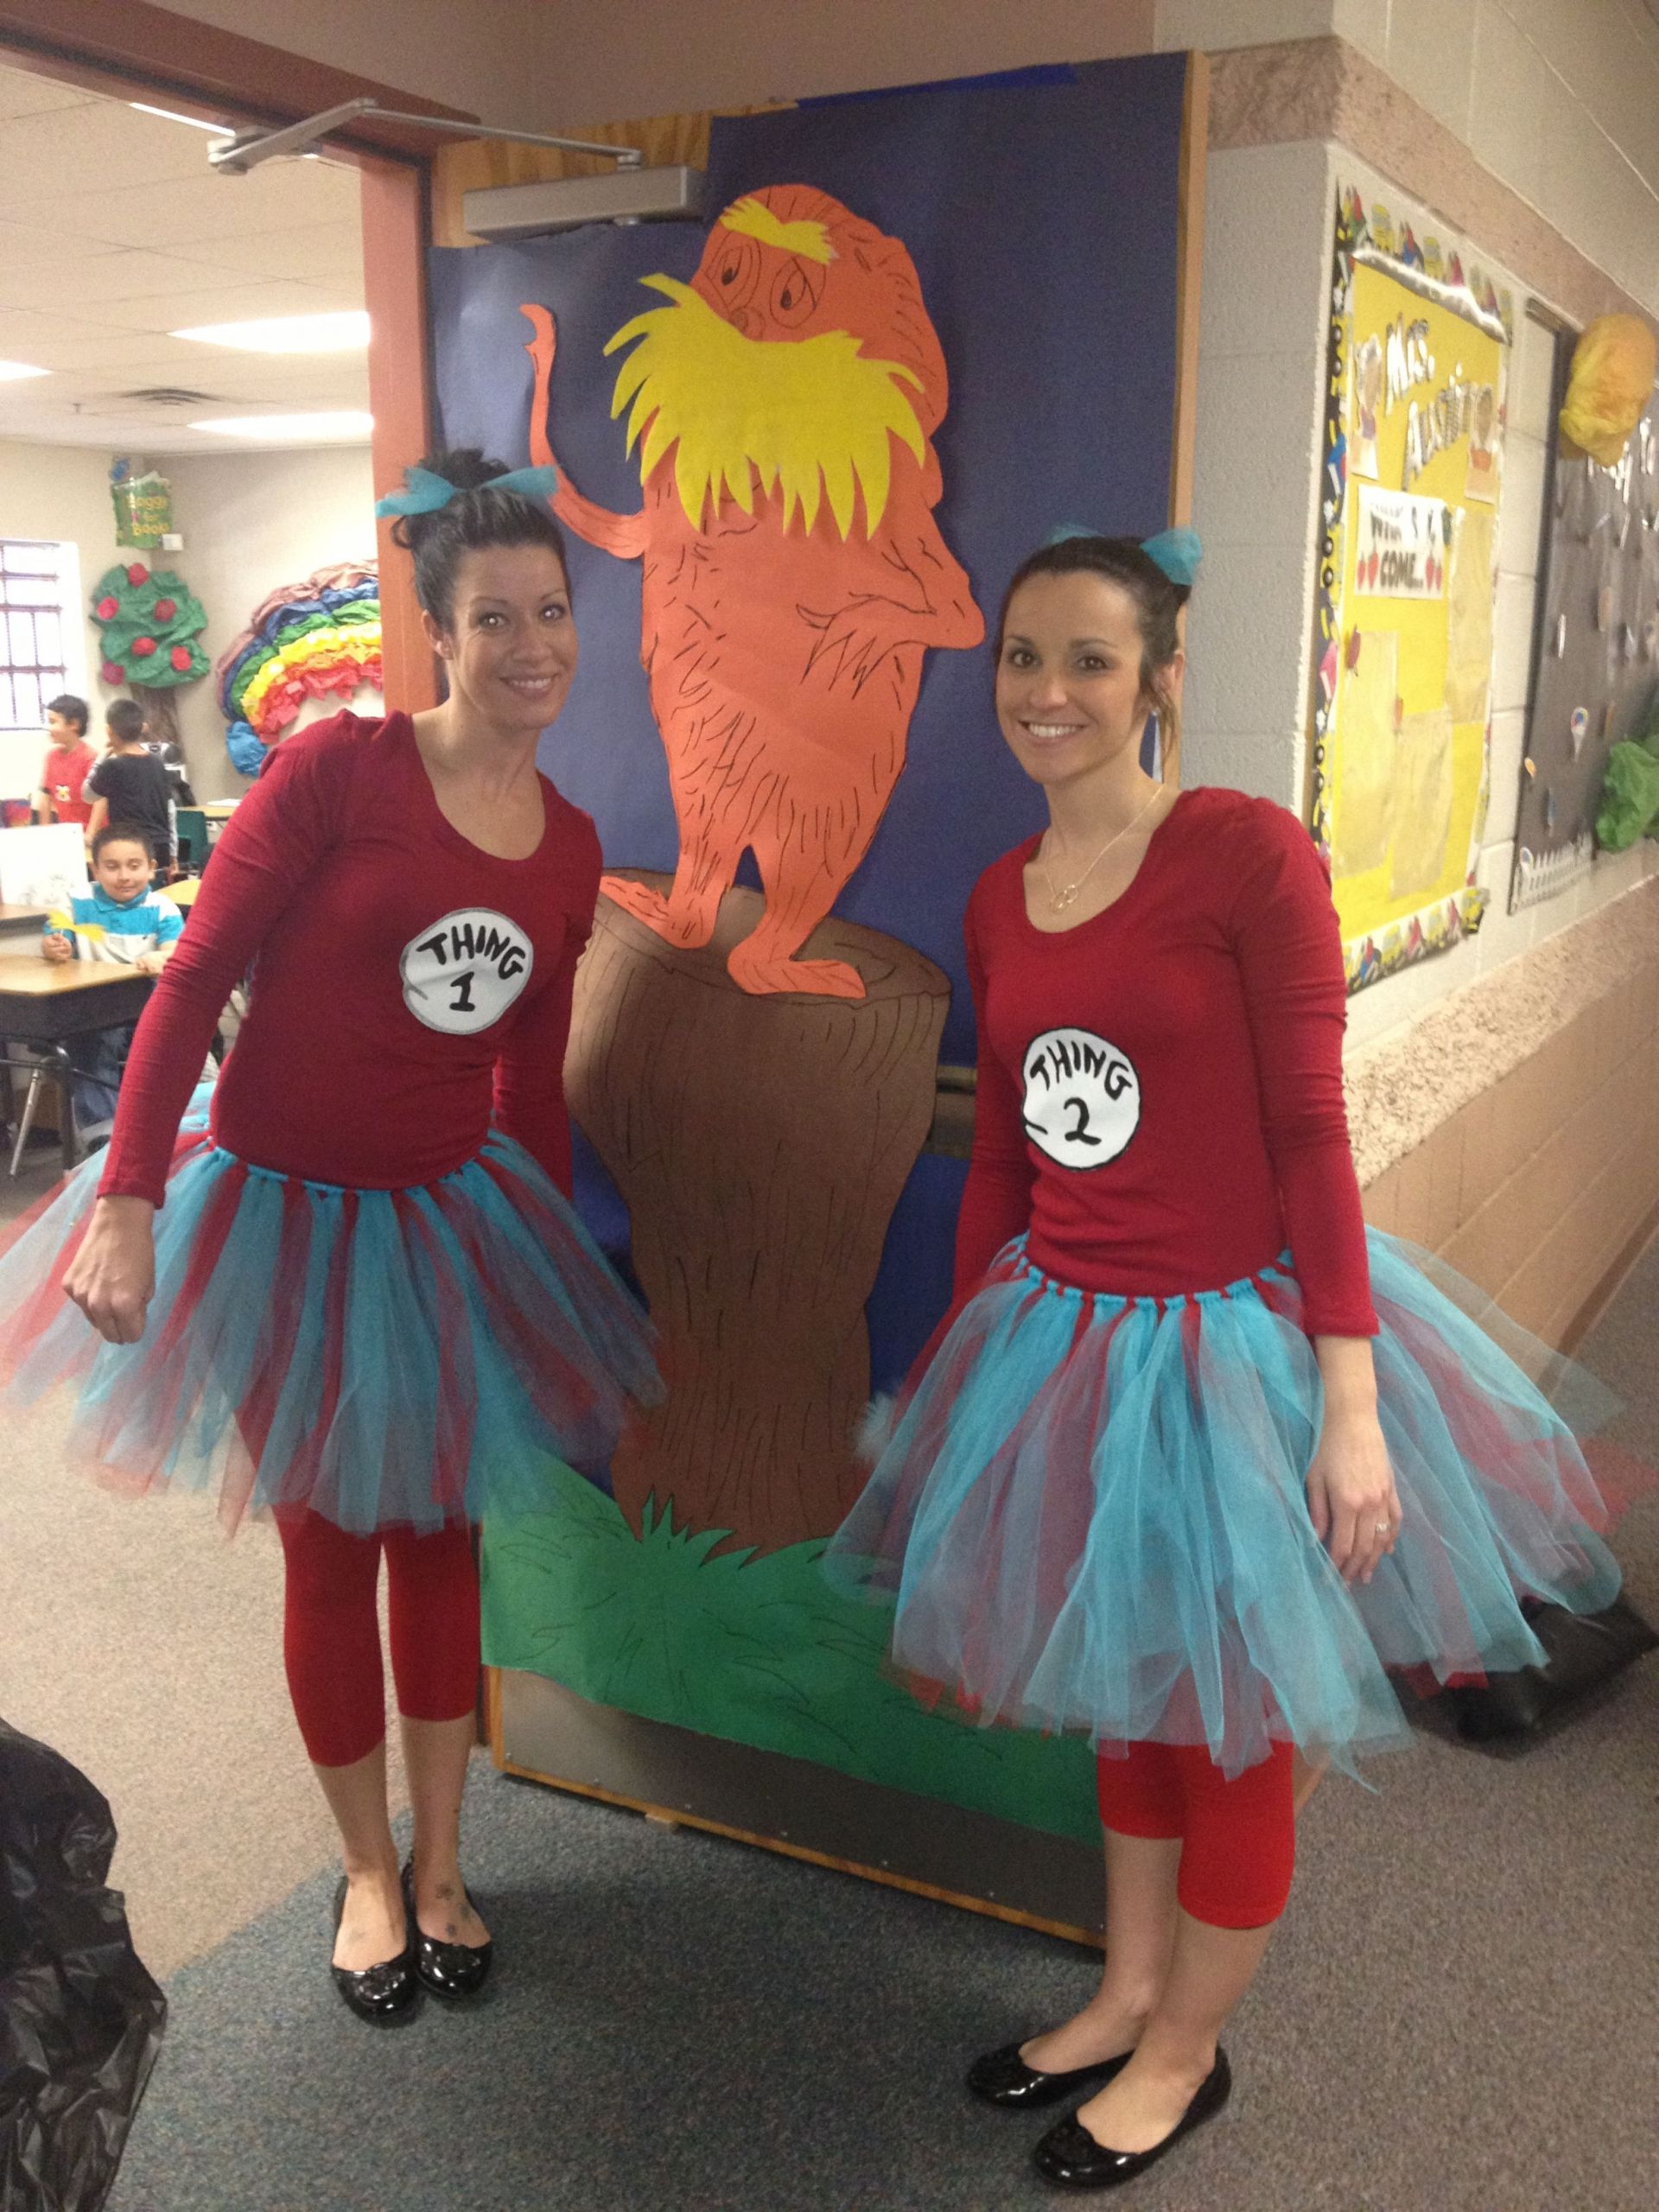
(1092, 1516)
(385, 1358)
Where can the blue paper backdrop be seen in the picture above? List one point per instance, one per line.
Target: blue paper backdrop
(1041, 214)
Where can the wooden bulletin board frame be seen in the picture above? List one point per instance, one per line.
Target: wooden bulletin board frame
(1419, 349)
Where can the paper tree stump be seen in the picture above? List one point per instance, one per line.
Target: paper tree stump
(761, 1145)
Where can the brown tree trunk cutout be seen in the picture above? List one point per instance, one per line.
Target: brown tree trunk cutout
(761, 1144)
(161, 708)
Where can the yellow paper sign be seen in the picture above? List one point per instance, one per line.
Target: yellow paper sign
(1403, 683)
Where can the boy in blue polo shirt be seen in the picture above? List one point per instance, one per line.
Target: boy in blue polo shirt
(120, 920)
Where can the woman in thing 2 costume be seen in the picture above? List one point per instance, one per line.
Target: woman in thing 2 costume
(352, 1291)
(1165, 1479)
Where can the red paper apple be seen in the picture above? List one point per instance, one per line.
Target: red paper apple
(166, 609)
(181, 657)
(107, 608)
(138, 574)
(112, 672)
(143, 647)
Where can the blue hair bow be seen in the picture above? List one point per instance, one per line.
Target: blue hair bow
(424, 491)
(1176, 552)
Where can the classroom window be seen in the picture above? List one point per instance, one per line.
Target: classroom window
(39, 592)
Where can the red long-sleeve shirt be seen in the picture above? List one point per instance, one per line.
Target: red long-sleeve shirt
(1161, 1099)
(405, 982)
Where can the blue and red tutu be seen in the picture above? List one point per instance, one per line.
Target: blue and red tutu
(401, 1358)
(1092, 1516)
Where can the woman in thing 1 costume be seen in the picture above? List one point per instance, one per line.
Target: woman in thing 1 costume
(352, 1292)
(1197, 1458)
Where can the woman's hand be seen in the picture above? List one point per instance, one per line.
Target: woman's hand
(112, 1276)
(1351, 1489)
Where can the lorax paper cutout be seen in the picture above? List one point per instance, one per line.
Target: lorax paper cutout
(783, 406)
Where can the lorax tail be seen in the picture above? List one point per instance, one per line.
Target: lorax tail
(783, 406)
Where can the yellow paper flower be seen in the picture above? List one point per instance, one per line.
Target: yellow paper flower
(1613, 367)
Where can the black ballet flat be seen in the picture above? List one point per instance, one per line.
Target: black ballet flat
(378, 1993)
(1002, 2078)
(1070, 2157)
(447, 1969)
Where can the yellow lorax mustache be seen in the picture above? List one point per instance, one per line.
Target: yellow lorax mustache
(811, 416)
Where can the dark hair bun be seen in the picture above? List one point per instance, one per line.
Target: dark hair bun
(467, 469)
(479, 516)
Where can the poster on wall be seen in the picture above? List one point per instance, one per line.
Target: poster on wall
(801, 446)
(1419, 347)
(1596, 659)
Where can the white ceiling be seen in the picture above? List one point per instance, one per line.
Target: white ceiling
(116, 232)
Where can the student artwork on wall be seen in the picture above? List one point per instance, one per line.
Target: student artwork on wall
(1419, 347)
(801, 447)
(1596, 654)
(319, 639)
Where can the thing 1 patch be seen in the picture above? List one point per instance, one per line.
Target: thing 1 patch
(1083, 1097)
(465, 971)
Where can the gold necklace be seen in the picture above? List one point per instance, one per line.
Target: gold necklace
(1064, 895)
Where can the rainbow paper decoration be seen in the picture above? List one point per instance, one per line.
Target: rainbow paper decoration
(304, 641)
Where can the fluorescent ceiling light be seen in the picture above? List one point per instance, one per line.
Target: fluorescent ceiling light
(288, 333)
(343, 426)
(11, 371)
(172, 115)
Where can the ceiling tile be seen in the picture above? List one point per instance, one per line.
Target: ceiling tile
(119, 274)
(22, 92)
(310, 253)
(116, 232)
(60, 342)
(231, 303)
(185, 213)
(25, 245)
(68, 150)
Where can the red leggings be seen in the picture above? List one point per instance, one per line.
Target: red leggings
(1238, 1838)
(331, 1630)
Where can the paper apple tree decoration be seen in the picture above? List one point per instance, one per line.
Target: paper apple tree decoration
(148, 624)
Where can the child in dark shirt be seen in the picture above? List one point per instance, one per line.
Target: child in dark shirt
(130, 784)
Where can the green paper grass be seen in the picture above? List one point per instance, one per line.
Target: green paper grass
(756, 1649)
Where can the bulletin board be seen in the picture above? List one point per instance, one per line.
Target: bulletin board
(1419, 349)
(1596, 651)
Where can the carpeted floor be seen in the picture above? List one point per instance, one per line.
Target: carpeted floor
(1457, 2017)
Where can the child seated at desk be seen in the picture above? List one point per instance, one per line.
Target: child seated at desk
(119, 920)
(130, 784)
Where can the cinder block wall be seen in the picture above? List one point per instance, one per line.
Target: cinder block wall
(1543, 1187)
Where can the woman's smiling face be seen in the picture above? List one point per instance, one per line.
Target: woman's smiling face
(511, 645)
(1070, 693)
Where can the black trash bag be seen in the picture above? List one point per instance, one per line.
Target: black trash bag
(81, 2018)
(1585, 1650)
